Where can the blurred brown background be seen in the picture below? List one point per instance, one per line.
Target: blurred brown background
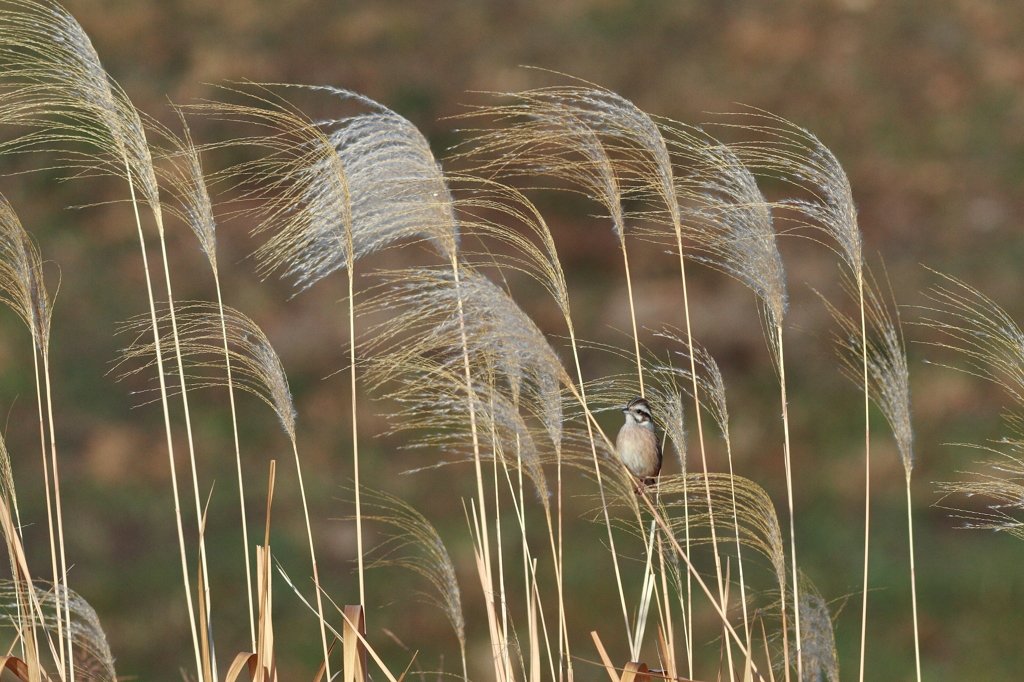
(923, 102)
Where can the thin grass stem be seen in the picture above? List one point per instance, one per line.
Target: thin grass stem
(238, 459)
(60, 516)
(355, 426)
(913, 584)
(867, 473)
(49, 499)
(789, 499)
(312, 556)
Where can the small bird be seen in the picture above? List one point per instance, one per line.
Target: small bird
(637, 443)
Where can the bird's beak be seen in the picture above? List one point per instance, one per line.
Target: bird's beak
(625, 409)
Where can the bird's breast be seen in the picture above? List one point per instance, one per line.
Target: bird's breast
(638, 448)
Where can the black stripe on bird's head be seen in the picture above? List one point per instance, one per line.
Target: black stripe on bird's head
(640, 409)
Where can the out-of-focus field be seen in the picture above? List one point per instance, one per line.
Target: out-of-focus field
(923, 102)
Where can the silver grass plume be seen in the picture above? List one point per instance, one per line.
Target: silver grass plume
(21, 277)
(460, 319)
(735, 233)
(734, 230)
(709, 379)
(23, 289)
(673, 421)
(434, 403)
(553, 138)
(549, 138)
(821, 661)
(978, 328)
(254, 362)
(185, 181)
(798, 156)
(25, 621)
(633, 145)
(93, 659)
(515, 368)
(888, 372)
(10, 496)
(331, 192)
(53, 82)
(498, 334)
(541, 262)
(504, 213)
(429, 557)
(1005, 488)
(758, 523)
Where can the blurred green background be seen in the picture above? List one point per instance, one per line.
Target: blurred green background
(923, 103)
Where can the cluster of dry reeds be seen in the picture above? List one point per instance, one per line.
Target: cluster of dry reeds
(470, 374)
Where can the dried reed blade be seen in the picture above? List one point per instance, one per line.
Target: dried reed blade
(242, 660)
(605, 660)
(353, 634)
(18, 667)
(635, 672)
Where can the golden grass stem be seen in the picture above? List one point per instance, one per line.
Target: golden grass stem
(605, 659)
(238, 459)
(530, 574)
(355, 425)
(669, 635)
(20, 566)
(867, 475)
(506, 660)
(312, 556)
(632, 314)
(560, 577)
(369, 649)
(60, 516)
(739, 547)
(913, 584)
(486, 576)
(767, 654)
(725, 604)
(49, 500)
(688, 610)
(354, 652)
(264, 648)
(789, 499)
(477, 527)
(645, 597)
